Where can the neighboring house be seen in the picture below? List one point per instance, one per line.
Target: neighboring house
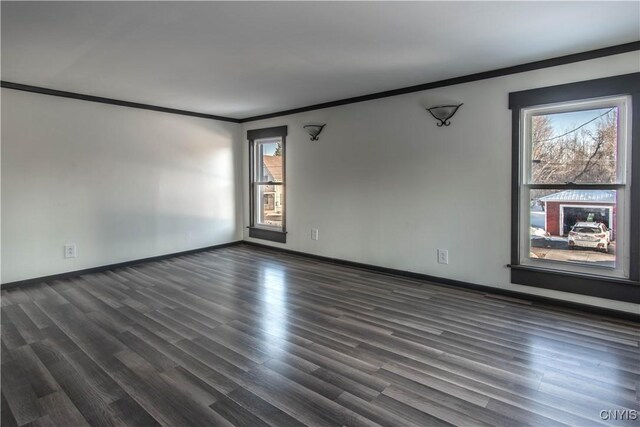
(564, 209)
(273, 195)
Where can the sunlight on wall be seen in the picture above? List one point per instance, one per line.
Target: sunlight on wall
(120, 183)
(222, 178)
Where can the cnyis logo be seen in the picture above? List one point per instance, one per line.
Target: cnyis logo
(619, 414)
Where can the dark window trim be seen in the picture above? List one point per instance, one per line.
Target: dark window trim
(584, 284)
(264, 234)
(274, 132)
(576, 283)
(279, 236)
(624, 84)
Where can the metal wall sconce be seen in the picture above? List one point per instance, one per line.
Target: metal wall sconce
(443, 113)
(314, 131)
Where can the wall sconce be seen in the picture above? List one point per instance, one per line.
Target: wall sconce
(314, 131)
(443, 113)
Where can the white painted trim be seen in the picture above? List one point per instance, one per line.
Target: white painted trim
(624, 173)
(578, 201)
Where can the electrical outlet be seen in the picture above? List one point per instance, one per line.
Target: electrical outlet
(70, 250)
(443, 256)
(314, 234)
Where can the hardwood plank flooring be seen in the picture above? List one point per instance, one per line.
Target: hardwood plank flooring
(246, 336)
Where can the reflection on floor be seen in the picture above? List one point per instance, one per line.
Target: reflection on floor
(247, 336)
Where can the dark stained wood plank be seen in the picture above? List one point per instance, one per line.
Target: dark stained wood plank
(34, 371)
(93, 373)
(20, 397)
(162, 401)
(39, 319)
(225, 353)
(132, 414)
(187, 361)
(6, 416)
(5, 353)
(10, 335)
(192, 386)
(148, 352)
(298, 401)
(41, 422)
(94, 409)
(262, 409)
(251, 337)
(432, 407)
(59, 408)
(236, 414)
(311, 382)
(406, 412)
(374, 412)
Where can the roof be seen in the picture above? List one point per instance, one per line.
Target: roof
(601, 196)
(274, 166)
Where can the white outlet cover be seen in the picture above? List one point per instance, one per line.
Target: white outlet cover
(70, 251)
(443, 256)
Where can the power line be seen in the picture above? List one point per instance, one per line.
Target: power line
(581, 126)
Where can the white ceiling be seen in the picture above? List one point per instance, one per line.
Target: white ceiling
(241, 59)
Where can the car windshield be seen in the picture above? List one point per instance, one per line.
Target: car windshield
(589, 230)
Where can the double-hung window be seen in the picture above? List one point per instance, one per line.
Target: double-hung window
(267, 187)
(575, 207)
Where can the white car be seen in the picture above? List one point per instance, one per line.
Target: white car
(590, 235)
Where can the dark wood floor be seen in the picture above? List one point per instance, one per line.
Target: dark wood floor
(252, 337)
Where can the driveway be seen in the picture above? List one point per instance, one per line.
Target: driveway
(556, 249)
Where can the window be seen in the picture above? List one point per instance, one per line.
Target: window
(575, 193)
(574, 179)
(267, 186)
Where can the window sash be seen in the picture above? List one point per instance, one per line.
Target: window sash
(256, 166)
(258, 158)
(581, 283)
(258, 211)
(527, 113)
(621, 269)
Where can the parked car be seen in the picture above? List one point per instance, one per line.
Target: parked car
(590, 235)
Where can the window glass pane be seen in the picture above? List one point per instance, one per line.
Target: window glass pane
(270, 205)
(574, 226)
(269, 161)
(574, 146)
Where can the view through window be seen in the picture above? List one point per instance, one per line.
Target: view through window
(268, 182)
(574, 175)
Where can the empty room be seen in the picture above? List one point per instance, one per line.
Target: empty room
(320, 213)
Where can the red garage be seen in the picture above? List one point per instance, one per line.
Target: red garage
(564, 209)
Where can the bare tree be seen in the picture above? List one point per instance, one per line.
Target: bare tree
(582, 154)
(278, 151)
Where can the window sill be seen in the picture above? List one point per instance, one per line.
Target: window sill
(266, 234)
(592, 285)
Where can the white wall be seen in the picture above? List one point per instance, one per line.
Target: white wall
(386, 186)
(120, 183)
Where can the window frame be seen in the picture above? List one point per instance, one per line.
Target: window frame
(620, 185)
(586, 280)
(263, 231)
